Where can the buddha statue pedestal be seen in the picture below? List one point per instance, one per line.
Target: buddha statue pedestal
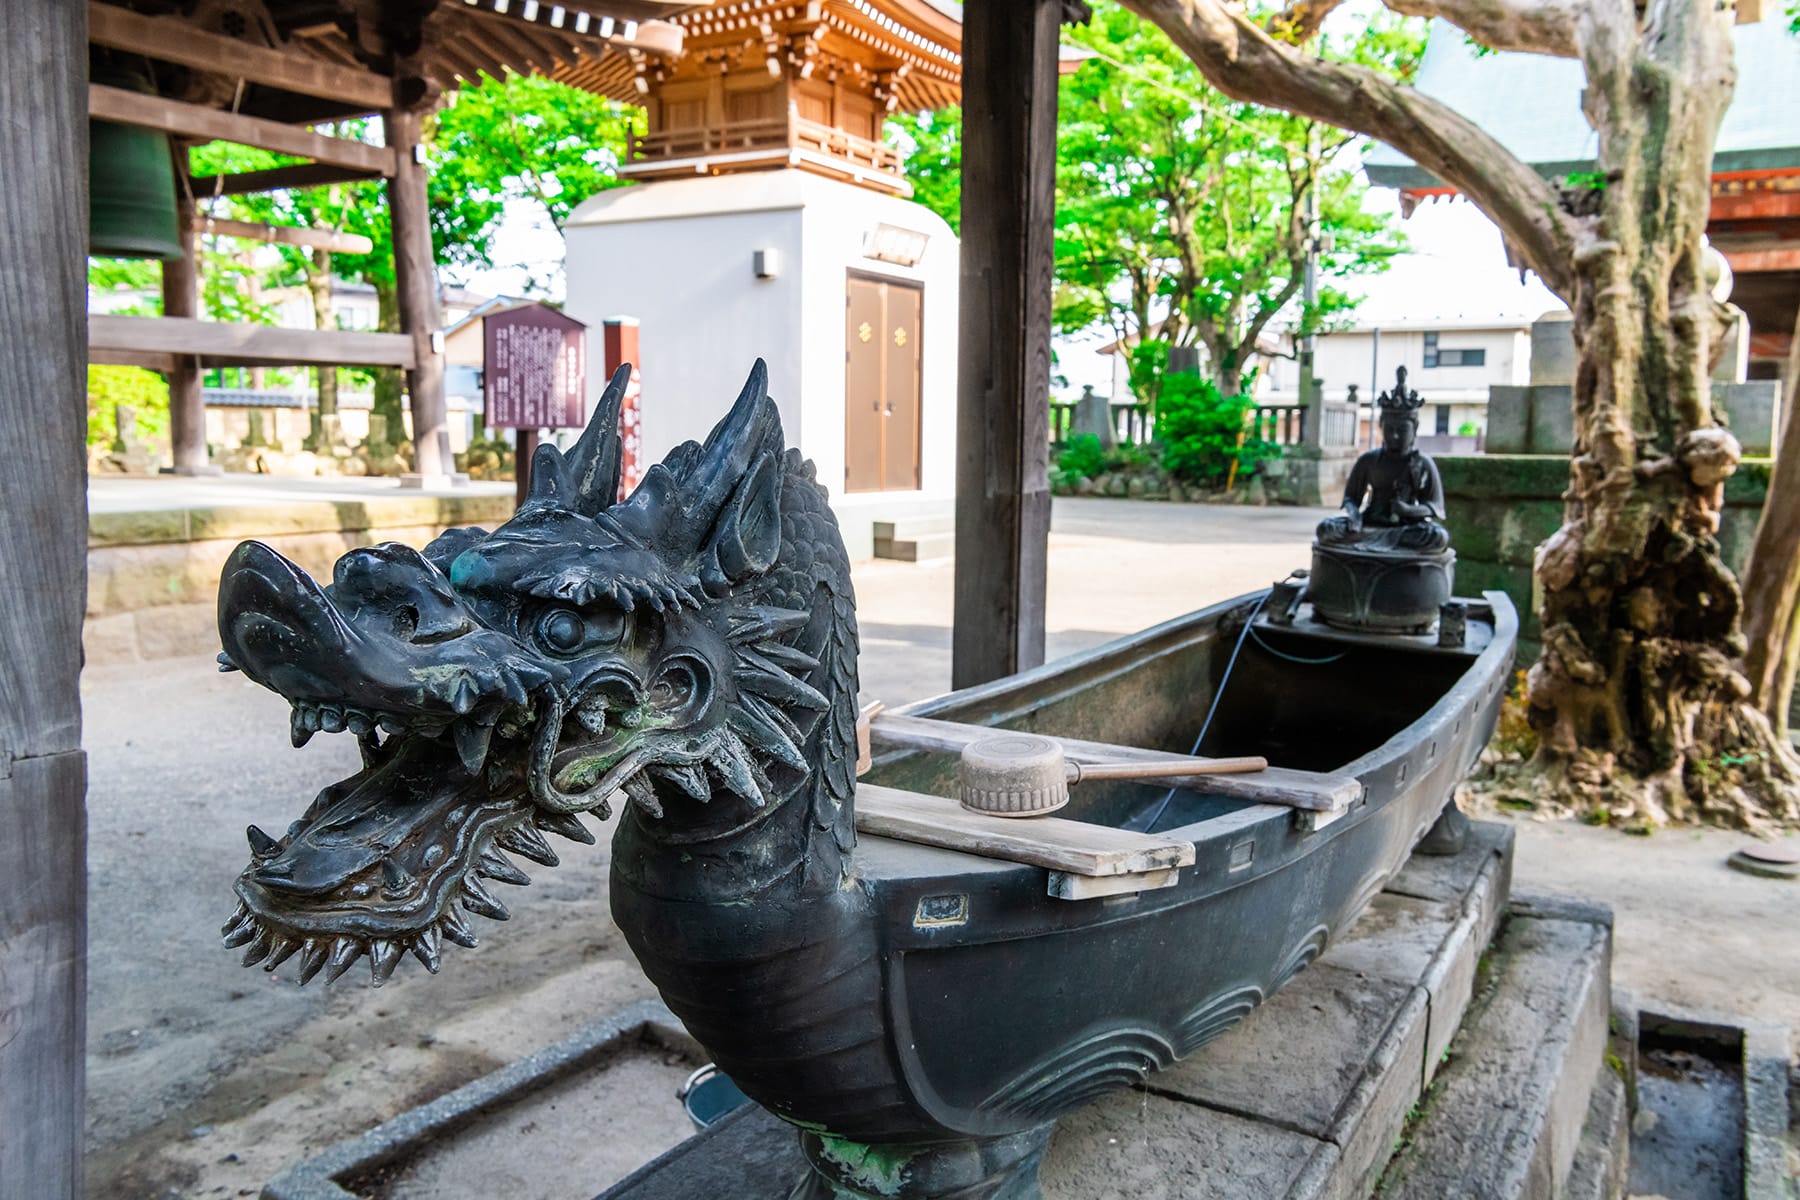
(1385, 591)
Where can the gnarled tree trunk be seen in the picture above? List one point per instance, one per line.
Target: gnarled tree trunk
(1642, 710)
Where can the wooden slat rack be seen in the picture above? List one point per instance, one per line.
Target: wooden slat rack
(1310, 790)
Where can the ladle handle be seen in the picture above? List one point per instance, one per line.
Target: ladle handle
(1165, 770)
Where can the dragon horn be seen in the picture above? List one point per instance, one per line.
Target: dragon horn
(596, 460)
(549, 476)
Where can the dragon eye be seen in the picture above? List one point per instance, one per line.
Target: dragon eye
(569, 631)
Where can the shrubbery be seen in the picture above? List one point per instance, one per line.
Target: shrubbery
(1200, 431)
(109, 387)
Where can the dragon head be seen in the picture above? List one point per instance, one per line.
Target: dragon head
(686, 646)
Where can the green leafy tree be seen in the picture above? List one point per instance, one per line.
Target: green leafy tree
(525, 138)
(932, 143)
(1181, 214)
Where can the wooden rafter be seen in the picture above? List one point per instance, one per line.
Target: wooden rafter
(274, 179)
(173, 40)
(286, 235)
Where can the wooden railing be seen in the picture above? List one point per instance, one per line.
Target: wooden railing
(1283, 424)
(1131, 423)
(792, 132)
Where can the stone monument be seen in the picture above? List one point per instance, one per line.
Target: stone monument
(1385, 563)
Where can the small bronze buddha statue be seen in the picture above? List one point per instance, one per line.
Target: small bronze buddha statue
(1405, 496)
(1385, 563)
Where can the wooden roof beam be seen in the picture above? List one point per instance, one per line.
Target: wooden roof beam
(287, 235)
(173, 40)
(209, 124)
(275, 179)
(114, 339)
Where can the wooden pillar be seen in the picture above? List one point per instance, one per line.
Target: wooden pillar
(1003, 368)
(525, 444)
(415, 287)
(181, 298)
(619, 343)
(43, 579)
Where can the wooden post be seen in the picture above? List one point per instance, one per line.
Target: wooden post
(415, 284)
(1003, 379)
(43, 577)
(620, 345)
(181, 298)
(525, 445)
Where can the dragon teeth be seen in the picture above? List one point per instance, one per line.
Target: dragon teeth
(312, 957)
(472, 741)
(298, 732)
(480, 901)
(564, 825)
(243, 910)
(495, 865)
(425, 948)
(384, 956)
(639, 789)
(243, 930)
(523, 839)
(285, 947)
(259, 949)
(457, 929)
(344, 952)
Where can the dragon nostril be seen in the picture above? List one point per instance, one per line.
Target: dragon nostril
(406, 622)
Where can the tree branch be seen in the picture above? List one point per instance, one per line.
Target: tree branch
(1535, 26)
(1247, 64)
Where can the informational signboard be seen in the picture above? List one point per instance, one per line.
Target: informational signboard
(534, 370)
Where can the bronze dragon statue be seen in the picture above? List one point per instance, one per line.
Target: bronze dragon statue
(692, 647)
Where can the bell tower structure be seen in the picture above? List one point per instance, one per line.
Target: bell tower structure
(770, 214)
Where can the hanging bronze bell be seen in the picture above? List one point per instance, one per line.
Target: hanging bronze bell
(131, 184)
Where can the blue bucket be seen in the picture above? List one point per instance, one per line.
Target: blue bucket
(709, 1095)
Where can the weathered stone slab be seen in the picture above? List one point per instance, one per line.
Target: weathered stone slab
(1508, 1109)
(1603, 1159)
(1137, 1146)
(1453, 878)
(1295, 1061)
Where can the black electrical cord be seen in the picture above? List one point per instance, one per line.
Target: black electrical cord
(1156, 813)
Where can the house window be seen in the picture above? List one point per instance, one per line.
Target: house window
(1434, 357)
(1443, 420)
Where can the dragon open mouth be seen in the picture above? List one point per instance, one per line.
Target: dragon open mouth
(451, 717)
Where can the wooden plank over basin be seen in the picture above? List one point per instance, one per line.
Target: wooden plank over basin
(1312, 790)
(1072, 847)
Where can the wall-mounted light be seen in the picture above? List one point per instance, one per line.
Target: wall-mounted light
(894, 244)
(766, 262)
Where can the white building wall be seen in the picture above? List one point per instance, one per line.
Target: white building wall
(678, 255)
(704, 316)
(1353, 357)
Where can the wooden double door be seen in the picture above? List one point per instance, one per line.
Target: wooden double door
(882, 384)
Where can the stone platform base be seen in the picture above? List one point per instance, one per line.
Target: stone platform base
(1309, 1097)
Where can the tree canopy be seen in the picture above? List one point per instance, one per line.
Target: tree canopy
(1181, 213)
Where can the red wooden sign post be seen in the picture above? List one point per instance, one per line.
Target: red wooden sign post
(621, 342)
